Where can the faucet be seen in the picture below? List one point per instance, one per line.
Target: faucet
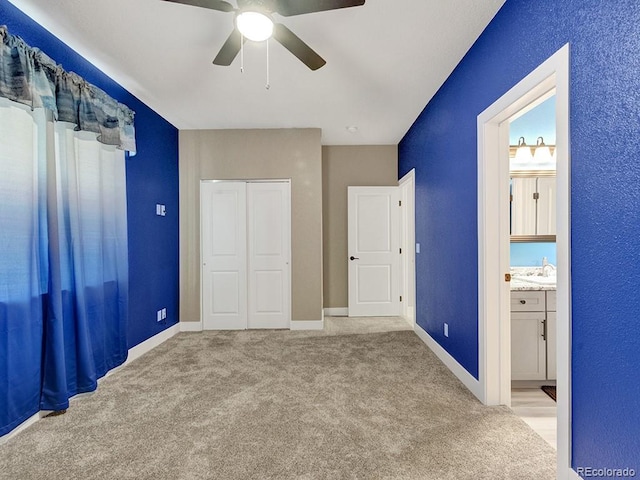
(548, 270)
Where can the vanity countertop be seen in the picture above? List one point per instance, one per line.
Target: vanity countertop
(521, 284)
(531, 278)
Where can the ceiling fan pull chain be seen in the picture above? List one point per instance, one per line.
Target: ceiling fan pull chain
(241, 53)
(267, 86)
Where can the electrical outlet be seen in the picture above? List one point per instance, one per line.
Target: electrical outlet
(446, 329)
(164, 314)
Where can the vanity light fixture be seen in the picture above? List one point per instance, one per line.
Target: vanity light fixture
(542, 153)
(523, 153)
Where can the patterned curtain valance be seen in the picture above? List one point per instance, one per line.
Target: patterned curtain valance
(30, 77)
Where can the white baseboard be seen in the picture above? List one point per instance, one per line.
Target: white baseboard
(148, 345)
(134, 353)
(307, 325)
(451, 363)
(336, 312)
(24, 425)
(191, 327)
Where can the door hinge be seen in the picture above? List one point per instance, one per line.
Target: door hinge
(399, 203)
(511, 198)
(400, 297)
(536, 196)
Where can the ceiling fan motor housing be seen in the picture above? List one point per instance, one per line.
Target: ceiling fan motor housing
(262, 11)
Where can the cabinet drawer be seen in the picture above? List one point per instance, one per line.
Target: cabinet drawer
(527, 301)
(551, 301)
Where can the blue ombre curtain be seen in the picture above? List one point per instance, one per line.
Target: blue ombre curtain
(63, 233)
(23, 261)
(86, 315)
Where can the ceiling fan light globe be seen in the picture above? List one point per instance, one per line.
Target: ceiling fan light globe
(254, 26)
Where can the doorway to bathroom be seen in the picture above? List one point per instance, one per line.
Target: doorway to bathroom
(533, 264)
(494, 239)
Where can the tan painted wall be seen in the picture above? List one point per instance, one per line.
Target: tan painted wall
(255, 154)
(344, 166)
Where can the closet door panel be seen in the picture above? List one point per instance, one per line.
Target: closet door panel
(224, 255)
(268, 233)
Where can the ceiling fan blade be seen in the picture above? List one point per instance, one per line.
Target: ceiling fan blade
(295, 45)
(219, 5)
(229, 50)
(288, 8)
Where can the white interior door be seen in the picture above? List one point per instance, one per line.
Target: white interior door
(269, 226)
(374, 251)
(224, 255)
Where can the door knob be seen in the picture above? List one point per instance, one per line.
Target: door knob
(352, 258)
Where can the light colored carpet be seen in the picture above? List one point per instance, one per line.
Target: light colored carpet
(281, 405)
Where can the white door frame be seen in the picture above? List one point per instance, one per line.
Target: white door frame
(407, 186)
(493, 242)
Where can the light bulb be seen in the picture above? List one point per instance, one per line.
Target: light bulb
(543, 154)
(254, 25)
(523, 153)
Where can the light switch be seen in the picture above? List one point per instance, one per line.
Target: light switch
(161, 210)
(417, 248)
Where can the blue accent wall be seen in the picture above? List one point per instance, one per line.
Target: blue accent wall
(152, 177)
(604, 39)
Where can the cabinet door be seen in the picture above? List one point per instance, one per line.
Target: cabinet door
(551, 300)
(551, 345)
(546, 224)
(528, 350)
(523, 206)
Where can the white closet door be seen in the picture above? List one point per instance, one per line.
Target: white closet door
(269, 226)
(224, 255)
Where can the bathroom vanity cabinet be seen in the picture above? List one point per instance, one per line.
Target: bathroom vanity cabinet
(533, 337)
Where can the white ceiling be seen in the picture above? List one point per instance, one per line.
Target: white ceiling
(385, 60)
